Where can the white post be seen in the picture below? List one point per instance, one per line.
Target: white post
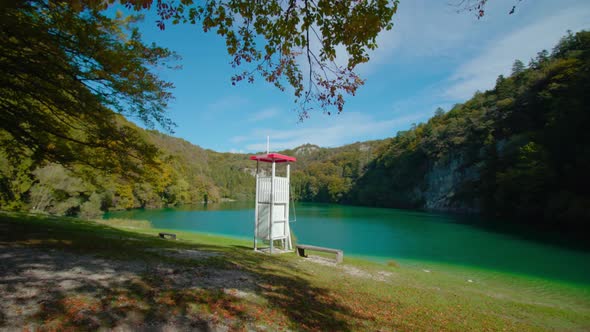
(287, 226)
(272, 202)
(256, 211)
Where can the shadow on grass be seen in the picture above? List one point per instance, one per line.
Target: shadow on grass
(285, 287)
(51, 277)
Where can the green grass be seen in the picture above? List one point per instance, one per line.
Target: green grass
(124, 223)
(295, 294)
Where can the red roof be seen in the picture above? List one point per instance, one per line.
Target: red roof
(276, 157)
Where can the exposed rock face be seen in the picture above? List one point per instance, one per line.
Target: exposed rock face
(445, 185)
(305, 149)
(364, 147)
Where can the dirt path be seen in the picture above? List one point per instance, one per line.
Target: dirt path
(350, 270)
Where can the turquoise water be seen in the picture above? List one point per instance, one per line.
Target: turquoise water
(383, 234)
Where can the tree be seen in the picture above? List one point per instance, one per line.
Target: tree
(505, 88)
(57, 191)
(15, 181)
(542, 56)
(565, 44)
(518, 67)
(311, 46)
(64, 72)
(270, 39)
(91, 208)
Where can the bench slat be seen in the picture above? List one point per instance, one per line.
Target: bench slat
(301, 251)
(310, 247)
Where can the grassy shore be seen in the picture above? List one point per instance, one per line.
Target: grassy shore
(65, 273)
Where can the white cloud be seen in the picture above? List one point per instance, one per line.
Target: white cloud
(497, 57)
(326, 131)
(239, 139)
(227, 103)
(421, 29)
(432, 57)
(264, 114)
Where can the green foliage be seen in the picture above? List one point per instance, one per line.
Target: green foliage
(519, 150)
(327, 175)
(123, 197)
(63, 71)
(57, 191)
(15, 181)
(268, 39)
(181, 174)
(91, 208)
(518, 67)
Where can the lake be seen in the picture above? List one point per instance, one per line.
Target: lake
(391, 234)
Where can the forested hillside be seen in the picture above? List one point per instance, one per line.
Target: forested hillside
(184, 174)
(519, 150)
(329, 174)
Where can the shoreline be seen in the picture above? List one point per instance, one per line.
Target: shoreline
(412, 263)
(89, 275)
(233, 223)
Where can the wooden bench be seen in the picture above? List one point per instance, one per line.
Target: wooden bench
(169, 235)
(301, 251)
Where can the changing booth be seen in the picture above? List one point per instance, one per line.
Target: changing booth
(271, 220)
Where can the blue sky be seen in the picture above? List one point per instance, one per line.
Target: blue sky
(432, 57)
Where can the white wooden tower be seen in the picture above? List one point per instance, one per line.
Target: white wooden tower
(271, 220)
